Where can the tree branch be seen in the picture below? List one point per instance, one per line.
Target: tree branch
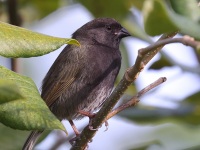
(135, 99)
(132, 102)
(144, 56)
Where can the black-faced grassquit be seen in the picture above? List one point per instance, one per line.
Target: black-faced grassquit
(81, 78)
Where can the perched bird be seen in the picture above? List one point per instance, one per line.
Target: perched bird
(81, 78)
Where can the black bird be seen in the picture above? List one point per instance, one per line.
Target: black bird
(81, 78)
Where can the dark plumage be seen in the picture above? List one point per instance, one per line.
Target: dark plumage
(82, 78)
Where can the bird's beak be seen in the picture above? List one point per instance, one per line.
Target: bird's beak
(123, 33)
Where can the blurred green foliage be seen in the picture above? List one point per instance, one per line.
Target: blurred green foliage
(43, 8)
(103, 8)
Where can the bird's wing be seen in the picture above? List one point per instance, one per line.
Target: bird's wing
(59, 79)
(59, 87)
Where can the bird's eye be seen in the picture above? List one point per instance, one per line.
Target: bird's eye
(108, 28)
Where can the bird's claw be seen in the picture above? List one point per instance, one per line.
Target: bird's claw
(92, 115)
(73, 140)
(86, 113)
(106, 125)
(91, 128)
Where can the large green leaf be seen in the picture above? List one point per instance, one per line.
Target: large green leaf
(187, 8)
(25, 110)
(19, 42)
(8, 91)
(186, 25)
(158, 19)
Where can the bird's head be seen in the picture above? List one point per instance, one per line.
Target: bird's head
(104, 31)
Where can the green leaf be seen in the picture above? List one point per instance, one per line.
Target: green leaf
(193, 99)
(8, 91)
(187, 8)
(27, 110)
(19, 42)
(162, 62)
(156, 18)
(186, 25)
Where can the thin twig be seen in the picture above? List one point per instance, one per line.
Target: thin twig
(135, 99)
(186, 40)
(14, 63)
(14, 19)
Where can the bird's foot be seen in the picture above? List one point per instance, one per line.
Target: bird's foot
(91, 127)
(73, 140)
(106, 125)
(91, 116)
(86, 113)
(74, 128)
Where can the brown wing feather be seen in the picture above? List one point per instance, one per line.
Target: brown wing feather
(59, 78)
(57, 91)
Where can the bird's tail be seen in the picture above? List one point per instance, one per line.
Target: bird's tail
(31, 140)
